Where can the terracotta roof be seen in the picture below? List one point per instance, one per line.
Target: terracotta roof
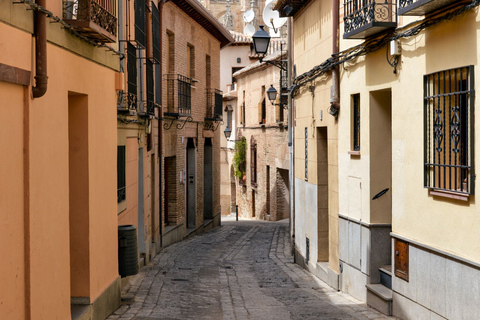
(200, 14)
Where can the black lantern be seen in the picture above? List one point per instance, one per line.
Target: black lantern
(261, 40)
(272, 94)
(227, 132)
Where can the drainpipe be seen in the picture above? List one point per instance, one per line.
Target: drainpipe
(40, 29)
(335, 96)
(290, 129)
(159, 144)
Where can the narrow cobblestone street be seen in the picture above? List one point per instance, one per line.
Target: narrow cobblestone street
(241, 270)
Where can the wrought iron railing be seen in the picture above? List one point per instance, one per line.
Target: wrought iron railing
(405, 3)
(421, 7)
(214, 104)
(363, 14)
(126, 101)
(96, 19)
(179, 95)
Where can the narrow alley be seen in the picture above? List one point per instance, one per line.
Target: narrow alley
(241, 270)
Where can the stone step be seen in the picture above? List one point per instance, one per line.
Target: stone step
(386, 276)
(380, 298)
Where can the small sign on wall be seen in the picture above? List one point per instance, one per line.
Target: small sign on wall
(182, 176)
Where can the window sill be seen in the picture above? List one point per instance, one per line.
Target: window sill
(354, 153)
(449, 194)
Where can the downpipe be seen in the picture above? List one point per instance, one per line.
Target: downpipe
(40, 30)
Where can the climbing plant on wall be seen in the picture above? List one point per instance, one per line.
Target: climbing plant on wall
(240, 158)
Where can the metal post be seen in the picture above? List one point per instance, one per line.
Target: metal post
(236, 212)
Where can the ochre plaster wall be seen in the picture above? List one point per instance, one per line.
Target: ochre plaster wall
(47, 148)
(12, 215)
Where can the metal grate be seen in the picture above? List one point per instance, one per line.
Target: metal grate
(140, 22)
(131, 68)
(150, 88)
(361, 14)
(214, 104)
(80, 13)
(179, 100)
(356, 122)
(449, 130)
(121, 174)
(156, 33)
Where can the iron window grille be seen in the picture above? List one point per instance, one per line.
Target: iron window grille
(449, 130)
(356, 122)
(131, 68)
(156, 33)
(140, 22)
(121, 174)
(150, 89)
(363, 18)
(95, 19)
(214, 104)
(263, 111)
(179, 99)
(127, 101)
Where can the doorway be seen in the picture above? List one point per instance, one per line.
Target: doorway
(322, 195)
(381, 185)
(208, 180)
(141, 203)
(191, 184)
(79, 216)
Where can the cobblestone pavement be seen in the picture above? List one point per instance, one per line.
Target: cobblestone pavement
(241, 270)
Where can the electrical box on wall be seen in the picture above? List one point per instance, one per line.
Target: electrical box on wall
(395, 49)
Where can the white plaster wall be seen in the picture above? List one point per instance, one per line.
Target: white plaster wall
(306, 219)
(228, 60)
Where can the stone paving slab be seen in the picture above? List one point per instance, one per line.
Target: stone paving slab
(241, 270)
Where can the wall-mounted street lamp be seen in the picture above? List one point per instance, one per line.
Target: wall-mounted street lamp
(261, 41)
(227, 132)
(272, 96)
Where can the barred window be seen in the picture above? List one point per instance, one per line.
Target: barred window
(356, 122)
(121, 174)
(449, 131)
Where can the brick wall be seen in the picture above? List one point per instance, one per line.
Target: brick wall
(189, 33)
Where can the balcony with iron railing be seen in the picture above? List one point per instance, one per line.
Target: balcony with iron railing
(128, 103)
(421, 7)
(179, 96)
(95, 19)
(364, 18)
(214, 104)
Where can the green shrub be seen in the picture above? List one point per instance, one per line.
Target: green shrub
(240, 157)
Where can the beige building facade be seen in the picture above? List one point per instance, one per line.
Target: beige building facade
(262, 192)
(407, 215)
(315, 220)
